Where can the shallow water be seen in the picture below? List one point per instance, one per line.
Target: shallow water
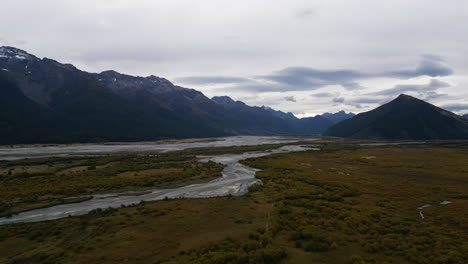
(421, 208)
(424, 206)
(70, 151)
(235, 180)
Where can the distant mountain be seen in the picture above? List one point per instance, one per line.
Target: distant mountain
(403, 118)
(252, 119)
(47, 101)
(465, 116)
(338, 116)
(319, 123)
(270, 121)
(314, 125)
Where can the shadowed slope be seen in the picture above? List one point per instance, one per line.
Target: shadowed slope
(403, 118)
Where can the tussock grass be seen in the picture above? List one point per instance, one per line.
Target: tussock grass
(330, 206)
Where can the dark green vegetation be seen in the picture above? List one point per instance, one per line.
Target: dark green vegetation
(27, 184)
(403, 118)
(343, 204)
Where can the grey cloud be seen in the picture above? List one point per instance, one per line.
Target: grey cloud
(4, 42)
(12, 42)
(352, 86)
(290, 99)
(309, 77)
(431, 65)
(157, 51)
(354, 104)
(431, 95)
(455, 107)
(305, 12)
(320, 95)
(304, 78)
(201, 80)
(434, 84)
(433, 57)
(338, 100)
(256, 85)
(369, 100)
(113, 54)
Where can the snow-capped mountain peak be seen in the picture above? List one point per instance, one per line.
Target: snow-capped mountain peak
(14, 53)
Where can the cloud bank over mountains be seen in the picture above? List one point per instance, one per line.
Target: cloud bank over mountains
(344, 81)
(328, 55)
(307, 79)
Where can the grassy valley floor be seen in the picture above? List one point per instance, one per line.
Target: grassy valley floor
(27, 184)
(342, 204)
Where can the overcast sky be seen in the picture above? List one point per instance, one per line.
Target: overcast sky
(306, 57)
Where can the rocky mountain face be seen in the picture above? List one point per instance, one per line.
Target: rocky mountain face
(47, 101)
(404, 118)
(338, 116)
(83, 107)
(251, 119)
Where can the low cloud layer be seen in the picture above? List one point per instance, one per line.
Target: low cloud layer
(320, 95)
(340, 88)
(338, 99)
(307, 79)
(209, 80)
(431, 65)
(290, 99)
(463, 107)
(433, 85)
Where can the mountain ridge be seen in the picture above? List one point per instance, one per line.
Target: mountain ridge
(78, 106)
(403, 118)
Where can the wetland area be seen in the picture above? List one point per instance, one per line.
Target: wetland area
(259, 200)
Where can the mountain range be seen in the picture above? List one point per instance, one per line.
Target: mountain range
(404, 118)
(46, 101)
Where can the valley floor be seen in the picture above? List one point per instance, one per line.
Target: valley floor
(343, 204)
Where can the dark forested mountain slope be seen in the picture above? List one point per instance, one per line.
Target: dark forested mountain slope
(78, 107)
(47, 101)
(403, 118)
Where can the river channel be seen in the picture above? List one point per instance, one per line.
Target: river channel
(235, 179)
